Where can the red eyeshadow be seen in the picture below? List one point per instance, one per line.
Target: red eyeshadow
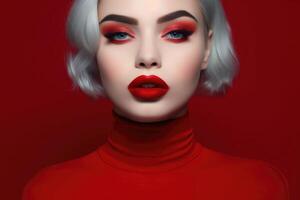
(186, 25)
(115, 27)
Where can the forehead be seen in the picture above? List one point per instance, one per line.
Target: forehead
(147, 9)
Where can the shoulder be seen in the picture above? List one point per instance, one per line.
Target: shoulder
(265, 179)
(258, 179)
(52, 180)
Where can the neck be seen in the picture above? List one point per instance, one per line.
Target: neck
(150, 146)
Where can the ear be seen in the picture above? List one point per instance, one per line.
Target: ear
(207, 50)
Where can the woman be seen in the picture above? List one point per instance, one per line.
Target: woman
(149, 57)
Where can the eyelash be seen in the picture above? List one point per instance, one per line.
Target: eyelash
(184, 35)
(110, 36)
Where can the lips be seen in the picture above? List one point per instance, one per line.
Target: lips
(148, 88)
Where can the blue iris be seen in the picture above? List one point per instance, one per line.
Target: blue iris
(119, 36)
(176, 35)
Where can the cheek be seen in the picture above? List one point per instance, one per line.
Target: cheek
(113, 64)
(106, 65)
(186, 59)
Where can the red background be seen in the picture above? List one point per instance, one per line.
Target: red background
(43, 121)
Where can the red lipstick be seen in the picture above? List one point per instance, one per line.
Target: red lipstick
(149, 88)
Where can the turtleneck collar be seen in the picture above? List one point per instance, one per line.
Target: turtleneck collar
(149, 147)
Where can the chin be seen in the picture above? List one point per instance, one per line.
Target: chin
(150, 112)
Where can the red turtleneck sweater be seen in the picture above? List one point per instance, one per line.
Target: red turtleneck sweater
(161, 160)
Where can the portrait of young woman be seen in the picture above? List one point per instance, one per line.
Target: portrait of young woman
(148, 59)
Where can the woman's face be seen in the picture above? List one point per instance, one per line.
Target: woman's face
(149, 37)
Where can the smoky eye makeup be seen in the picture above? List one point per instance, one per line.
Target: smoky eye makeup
(177, 31)
(117, 33)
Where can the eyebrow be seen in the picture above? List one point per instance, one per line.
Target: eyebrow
(133, 21)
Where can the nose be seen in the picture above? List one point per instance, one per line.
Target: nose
(148, 55)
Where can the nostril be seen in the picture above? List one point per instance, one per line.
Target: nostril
(143, 64)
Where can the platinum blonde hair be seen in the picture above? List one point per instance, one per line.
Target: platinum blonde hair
(83, 32)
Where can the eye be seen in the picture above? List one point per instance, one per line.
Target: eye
(178, 35)
(117, 36)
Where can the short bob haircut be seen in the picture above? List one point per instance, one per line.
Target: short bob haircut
(83, 32)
